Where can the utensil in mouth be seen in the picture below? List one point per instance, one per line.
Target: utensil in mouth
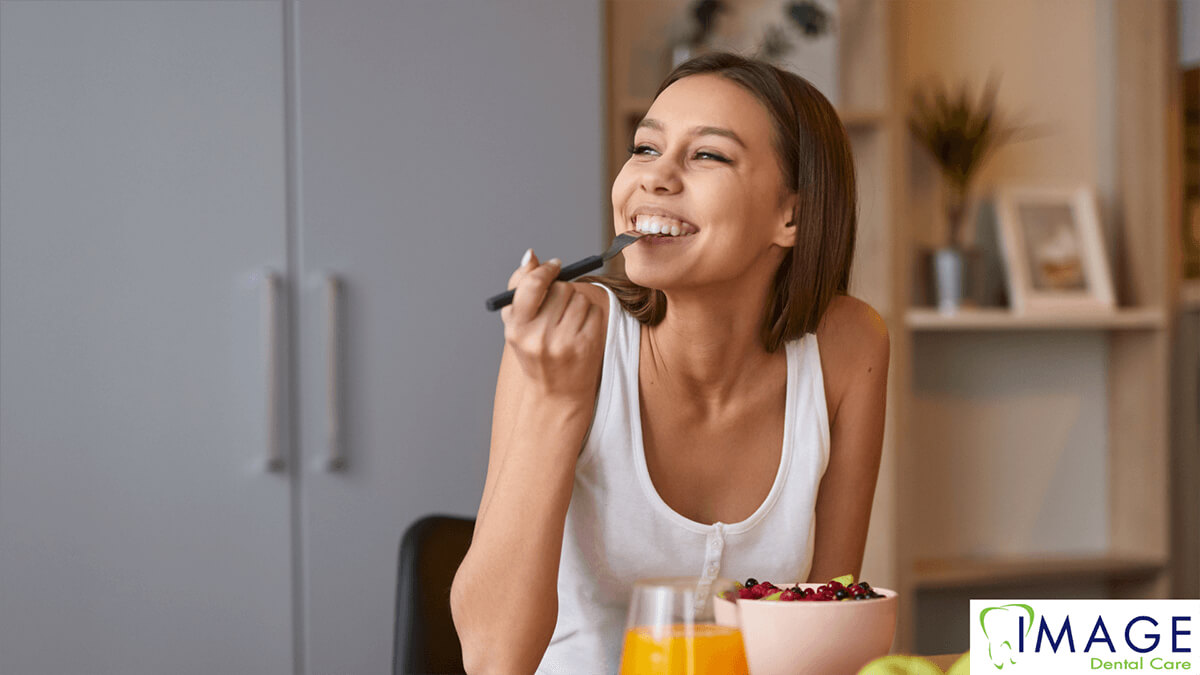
(575, 269)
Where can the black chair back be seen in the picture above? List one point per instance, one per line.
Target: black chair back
(430, 552)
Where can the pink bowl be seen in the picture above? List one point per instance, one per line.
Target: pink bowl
(804, 637)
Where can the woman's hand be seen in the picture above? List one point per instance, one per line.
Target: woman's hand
(556, 333)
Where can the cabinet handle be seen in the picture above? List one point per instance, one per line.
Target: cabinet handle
(336, 459)
(272, 287)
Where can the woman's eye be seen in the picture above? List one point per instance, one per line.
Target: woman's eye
(640, 150)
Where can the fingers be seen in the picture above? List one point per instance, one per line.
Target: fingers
(529, 261)
(536, 288)
(574, 313)
(593, 323)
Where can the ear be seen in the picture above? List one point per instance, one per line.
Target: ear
(785, 231)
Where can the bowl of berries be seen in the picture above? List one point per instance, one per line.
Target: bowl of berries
(833, 628)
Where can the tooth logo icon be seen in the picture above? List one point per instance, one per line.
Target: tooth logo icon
(1000, 627)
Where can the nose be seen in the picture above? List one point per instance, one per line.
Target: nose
(660, 176)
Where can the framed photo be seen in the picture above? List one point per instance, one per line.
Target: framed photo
(1053, 249)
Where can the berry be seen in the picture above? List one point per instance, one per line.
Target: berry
(766, 588)
(839, 588)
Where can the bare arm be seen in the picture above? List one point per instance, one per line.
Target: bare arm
(843, 510)
(503, 598)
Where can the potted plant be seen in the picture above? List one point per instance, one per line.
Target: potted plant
(960, 135)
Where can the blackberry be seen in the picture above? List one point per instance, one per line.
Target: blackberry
(751, 582)
(841, 594)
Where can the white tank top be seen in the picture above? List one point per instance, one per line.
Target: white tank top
(618, 528)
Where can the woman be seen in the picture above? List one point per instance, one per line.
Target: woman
(682, 421)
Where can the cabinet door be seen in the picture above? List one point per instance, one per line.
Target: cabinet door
(143, 183)
(437, 141)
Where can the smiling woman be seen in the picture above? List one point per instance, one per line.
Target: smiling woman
(795, 161)
(681, 420)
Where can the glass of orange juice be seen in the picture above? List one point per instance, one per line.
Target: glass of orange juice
(670, 630)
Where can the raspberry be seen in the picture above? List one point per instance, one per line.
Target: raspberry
(747, 594)
(788, 595)
(766, 588)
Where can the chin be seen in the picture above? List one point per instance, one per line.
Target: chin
(639, 274)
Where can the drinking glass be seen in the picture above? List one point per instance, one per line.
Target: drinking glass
(671, 630)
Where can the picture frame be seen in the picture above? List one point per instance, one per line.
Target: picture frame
(1053, 249)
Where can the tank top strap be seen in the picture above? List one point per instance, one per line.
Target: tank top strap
(621, 337)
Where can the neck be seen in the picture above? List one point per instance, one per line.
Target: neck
(707, 352)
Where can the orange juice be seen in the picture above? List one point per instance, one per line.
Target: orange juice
(672, 650)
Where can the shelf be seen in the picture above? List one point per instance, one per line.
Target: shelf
(952, 573)
(1189, 295)
(929, 319)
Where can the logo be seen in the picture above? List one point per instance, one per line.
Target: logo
(1001, 652)
(1026, 637)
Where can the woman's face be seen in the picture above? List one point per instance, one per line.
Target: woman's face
(704, 153)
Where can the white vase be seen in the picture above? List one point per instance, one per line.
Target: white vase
(948, 279)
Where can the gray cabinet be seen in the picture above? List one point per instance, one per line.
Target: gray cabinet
(438, 140)
(158, 159)
(142, 195)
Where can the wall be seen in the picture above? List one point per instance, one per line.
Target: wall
(1189, 32)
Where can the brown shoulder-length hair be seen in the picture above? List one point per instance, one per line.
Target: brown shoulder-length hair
(817, 164)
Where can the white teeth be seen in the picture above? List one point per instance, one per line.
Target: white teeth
(661, 226)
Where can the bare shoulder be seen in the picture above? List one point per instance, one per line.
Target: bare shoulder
(854, 346)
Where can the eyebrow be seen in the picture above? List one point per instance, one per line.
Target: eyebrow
(696, 131)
